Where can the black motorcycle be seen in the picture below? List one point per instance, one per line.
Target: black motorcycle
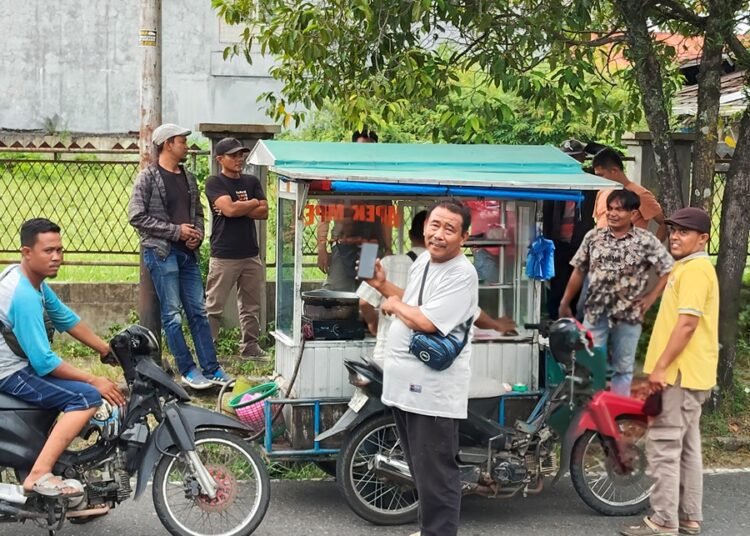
(206, 478)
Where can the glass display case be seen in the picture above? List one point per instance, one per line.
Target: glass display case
(318, 240)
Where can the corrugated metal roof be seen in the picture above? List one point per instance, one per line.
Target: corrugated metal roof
(732, 100)
(494, 166)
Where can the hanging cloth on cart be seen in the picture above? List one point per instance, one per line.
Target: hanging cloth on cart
(540, 260)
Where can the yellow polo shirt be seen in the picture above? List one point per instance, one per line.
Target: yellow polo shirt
(692, 289)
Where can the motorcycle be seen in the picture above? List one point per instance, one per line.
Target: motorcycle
(602, 436)
(206, 478)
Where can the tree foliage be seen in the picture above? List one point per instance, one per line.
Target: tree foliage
(382, 61)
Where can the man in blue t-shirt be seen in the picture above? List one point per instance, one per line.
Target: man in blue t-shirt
(29, 369)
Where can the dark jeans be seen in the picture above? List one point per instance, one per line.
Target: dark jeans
(177, 280)
(431, 447)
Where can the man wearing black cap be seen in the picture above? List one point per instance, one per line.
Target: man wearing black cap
(237, 201)
(682, 359)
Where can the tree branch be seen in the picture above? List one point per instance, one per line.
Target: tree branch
(675, 10)
(741, 54)
(615, 36)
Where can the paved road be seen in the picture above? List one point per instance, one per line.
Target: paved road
(315, 508)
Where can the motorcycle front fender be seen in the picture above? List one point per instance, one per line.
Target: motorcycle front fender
(178, 429)
(600, 415)
(351, 419)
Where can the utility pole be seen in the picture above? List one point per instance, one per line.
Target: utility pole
(150, 114)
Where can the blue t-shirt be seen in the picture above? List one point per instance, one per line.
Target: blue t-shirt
(22, 310)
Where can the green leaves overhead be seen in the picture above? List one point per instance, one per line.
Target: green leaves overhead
(380, 59)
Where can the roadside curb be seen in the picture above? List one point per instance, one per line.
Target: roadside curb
(726, 470)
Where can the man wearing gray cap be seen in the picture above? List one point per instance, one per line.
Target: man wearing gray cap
(237, 201)
(166, 211)
(681, 361)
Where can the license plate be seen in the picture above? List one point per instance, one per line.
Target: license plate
(358, 400)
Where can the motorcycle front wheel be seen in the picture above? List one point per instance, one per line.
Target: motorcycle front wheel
(242, 496)
(610, 487)
(373, 498)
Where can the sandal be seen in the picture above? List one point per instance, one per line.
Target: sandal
(50, 485)
(647, 528)
(691, 531)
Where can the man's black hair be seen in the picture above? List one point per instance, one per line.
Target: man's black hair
(608, 158)
(34, 227)
(417, 225)
(369, 134)
(457, 207)
(628, 199)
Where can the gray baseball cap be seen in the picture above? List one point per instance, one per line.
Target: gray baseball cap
(168, 130)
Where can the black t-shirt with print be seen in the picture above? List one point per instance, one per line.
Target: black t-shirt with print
(233, 238)
(178, 200)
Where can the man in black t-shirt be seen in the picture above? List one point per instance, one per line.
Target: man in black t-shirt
(236, 201)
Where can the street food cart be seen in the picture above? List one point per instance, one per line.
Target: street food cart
(323, 189)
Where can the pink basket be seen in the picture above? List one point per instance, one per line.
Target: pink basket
(252, 415)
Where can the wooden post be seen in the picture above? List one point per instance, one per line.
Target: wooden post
(150, 114)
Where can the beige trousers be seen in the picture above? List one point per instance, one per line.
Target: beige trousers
(673, 449)
(248, 276)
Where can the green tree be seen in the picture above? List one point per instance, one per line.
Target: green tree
(379, 59)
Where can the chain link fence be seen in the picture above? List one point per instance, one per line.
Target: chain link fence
(86, 194)
(718, 193)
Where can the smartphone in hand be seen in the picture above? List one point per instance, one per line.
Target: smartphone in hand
(368, 254)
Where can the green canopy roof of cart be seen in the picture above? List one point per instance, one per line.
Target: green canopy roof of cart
(493, 166)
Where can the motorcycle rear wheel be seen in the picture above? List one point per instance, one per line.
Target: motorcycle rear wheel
(597, 480)
(243, 494)
(375, 500)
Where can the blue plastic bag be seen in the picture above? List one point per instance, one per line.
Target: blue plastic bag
(540, 260)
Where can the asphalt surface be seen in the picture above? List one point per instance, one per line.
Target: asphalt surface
(316, 508)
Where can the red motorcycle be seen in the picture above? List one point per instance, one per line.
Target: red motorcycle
(602, 435)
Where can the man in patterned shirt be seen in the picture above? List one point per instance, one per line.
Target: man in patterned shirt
(617, 260)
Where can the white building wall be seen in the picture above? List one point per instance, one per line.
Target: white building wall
(80, 59)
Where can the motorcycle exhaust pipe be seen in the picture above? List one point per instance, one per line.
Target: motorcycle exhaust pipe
(8, 510)
(394, 470)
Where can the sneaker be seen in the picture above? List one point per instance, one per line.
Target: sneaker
(194, 379)
(256, 353)
(219, 377)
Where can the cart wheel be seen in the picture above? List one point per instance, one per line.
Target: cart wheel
(374, 499)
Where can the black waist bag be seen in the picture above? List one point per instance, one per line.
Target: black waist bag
(434, 350)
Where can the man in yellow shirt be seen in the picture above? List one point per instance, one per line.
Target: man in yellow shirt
(682, 359)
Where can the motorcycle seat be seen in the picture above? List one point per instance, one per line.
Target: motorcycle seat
(482, 387)
(10, 402)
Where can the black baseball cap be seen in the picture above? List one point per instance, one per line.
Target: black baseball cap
(573, 147)
(693, 218)
(229, 146)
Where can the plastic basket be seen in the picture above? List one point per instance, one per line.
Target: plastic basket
(249, 406)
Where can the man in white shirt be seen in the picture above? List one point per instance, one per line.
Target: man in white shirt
(428, 404)
(396, 268)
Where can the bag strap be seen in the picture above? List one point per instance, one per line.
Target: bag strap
(424, 278)
(411, 255)
(467, 324)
